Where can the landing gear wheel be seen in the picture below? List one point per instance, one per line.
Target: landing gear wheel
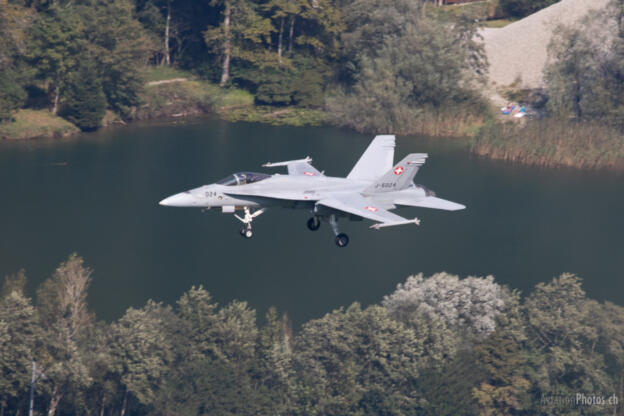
(246, 232)
(342, 240)
(314, 223)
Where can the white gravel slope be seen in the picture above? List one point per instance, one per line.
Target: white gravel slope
(519, 49)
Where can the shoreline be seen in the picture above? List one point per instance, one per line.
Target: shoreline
(532, 144)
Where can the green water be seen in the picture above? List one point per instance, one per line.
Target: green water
(97, 195)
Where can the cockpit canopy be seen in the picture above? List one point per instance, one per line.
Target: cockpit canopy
(243, 178)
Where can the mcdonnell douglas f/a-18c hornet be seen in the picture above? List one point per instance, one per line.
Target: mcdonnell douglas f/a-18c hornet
(373, 187)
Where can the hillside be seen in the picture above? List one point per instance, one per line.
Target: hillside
(519, 50)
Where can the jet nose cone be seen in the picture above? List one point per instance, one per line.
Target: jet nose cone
(165, 202)
(183, 199)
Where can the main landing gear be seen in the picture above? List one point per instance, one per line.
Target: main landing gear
(246, 220)
(341, 239)
(314, 223)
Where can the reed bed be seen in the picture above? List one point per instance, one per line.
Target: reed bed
(549, 142)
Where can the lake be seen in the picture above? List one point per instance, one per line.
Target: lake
(97, 194)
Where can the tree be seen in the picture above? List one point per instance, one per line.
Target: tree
(143, 344)
(274, 369)
(14, 283)
(586, 68)
(357, 361)
(240, 36)
(469, 306)
(371, 24)
(421, 67)
(212, 362)
(505, 358)
(19, 335)
(120, 47)
(563, 335)
(105, 393)
(12, 95)
(63, 310)
(84, 104)
(14, 21)
(55, 44)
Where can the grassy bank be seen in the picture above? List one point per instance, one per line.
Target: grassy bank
(185, 98)
(36, 123)
(287, 116)
(552, 143)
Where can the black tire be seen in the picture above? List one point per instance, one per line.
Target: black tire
(342, 240)
(248, 233)
(314, 223)
(242, 231)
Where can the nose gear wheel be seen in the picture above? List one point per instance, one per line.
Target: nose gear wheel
(246, 231)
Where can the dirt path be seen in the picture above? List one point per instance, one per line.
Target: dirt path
(167, 81)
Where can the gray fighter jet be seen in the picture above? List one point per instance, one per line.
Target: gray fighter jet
(373, 187)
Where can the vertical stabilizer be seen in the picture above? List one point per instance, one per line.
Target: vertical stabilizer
(400, 176)
(376, 160)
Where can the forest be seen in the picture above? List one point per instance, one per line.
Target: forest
(437, 345)
(391, 66)
(79, 58)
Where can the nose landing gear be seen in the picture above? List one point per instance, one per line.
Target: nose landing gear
(246, 220)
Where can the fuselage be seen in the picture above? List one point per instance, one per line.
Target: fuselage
(282, 190)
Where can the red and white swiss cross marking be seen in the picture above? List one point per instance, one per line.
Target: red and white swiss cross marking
(398, 170)
(309, 173)
(372, 209)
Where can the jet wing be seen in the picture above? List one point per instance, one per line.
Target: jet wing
(430, 202)
(356, 204)
(297, 167)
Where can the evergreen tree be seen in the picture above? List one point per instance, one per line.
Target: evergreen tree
(84, 103)
(12, 95)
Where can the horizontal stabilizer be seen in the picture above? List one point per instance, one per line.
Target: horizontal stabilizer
(430, 202)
